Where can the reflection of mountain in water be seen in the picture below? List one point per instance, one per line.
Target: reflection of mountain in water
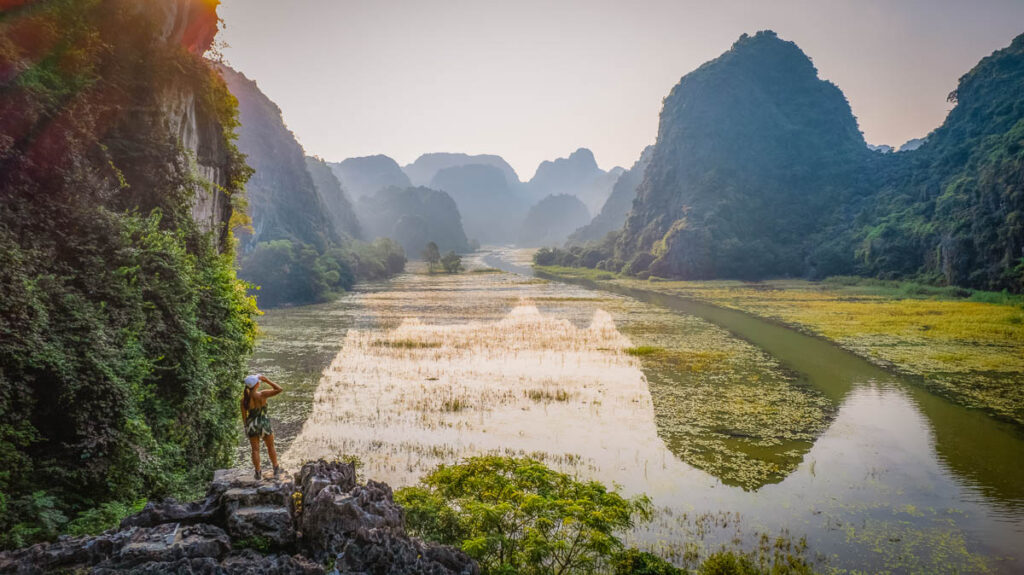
(724, 406)
(985, 455)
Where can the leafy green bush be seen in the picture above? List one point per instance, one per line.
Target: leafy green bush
(518, 516)
(546, 257)
(728, 563)
(287, 272)
(636, 562)
(291, 272)
(32, 517)
(734, 563)
(99, 519)
(452, 263)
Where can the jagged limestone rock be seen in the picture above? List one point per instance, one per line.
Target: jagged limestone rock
(249, 526)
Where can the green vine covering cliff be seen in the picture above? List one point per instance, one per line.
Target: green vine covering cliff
(123, 329)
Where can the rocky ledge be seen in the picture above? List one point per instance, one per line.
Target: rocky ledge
(320, 522)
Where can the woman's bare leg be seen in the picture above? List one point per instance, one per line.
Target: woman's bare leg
(254, 442)
(269, 440)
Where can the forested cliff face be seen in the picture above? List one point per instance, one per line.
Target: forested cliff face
(301, 244)
(617, 206)
(551, 220)
(283, 203)
(413, 217)
(335, 198)
(755, 155)
(952, 210)
(123, 330)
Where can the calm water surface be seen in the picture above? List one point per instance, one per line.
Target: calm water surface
(423, 369)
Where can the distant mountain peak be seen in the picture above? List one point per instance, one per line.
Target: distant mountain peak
(581, 159)
(365, 175)
(583, 155)
(423, 170)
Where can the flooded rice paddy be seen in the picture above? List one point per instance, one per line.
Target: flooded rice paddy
(740, 431)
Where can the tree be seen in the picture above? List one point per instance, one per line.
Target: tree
(432, 255)
(518, 516)
(452, 263)
(636, 562)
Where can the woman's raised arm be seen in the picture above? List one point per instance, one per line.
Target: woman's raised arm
(270, 392)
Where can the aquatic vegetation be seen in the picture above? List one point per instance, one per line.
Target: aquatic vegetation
(902, 547)
(712, 402)
(730, 446)
(965, 348)
(407, 344)
(643, 350)
(722, 405)
(709, 542)
(547, 395)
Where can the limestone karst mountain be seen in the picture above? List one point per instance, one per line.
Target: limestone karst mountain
(551, 220)
(492, 210)
(124, 327)
(756, 156)
(952, 208)
(422, 171)
(365, 176)
(283, 202)
(912, 144)
(337, 201)
(302, 243)
(617, 206)
(760, 170)
(578, 175)
(413, 217)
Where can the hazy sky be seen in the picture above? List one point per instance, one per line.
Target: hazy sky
(534, 80)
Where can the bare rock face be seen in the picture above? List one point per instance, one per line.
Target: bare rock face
(319, 474)
(255, 527)
(363, 531)
(191, 23)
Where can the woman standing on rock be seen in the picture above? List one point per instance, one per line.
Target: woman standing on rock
(256, 420)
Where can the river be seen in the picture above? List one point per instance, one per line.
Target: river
(738, 429)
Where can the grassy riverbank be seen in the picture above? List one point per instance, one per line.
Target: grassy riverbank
(968, 346)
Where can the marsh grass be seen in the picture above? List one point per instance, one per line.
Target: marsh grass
(642, 350)
(966, 345)
(454, 405)
(406, 344)
(547, 395)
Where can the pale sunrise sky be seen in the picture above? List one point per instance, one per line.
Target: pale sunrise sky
(532, 80)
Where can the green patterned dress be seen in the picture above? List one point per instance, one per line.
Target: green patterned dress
(257, 423)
